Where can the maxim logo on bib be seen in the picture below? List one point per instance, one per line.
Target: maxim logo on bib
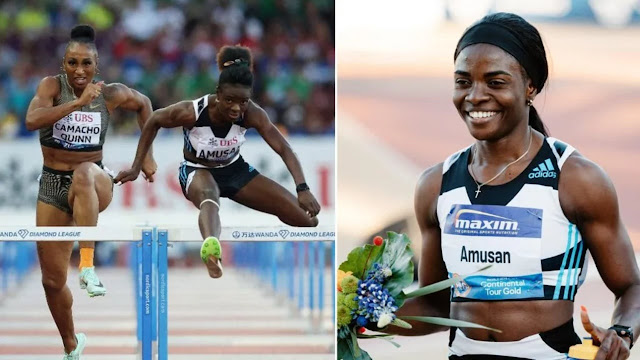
(543, 170)
(493, 220)
(78, 129)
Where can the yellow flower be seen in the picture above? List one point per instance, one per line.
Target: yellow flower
(341, 275)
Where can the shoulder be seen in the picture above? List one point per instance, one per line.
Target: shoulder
(426, 195)
(584, 188)
(430, 181)
(50, 84)
(255, 115)
(183, 111)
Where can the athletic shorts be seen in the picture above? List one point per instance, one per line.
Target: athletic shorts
(549, 345)
(230, 178)
(55, 184)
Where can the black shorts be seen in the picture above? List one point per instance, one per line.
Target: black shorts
(54, 187)
(552, 344)
(230, 179)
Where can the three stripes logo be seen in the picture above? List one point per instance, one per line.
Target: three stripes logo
(543, 170)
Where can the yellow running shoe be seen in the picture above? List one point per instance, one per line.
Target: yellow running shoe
(211, 254)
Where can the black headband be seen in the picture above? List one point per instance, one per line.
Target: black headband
(504, 38)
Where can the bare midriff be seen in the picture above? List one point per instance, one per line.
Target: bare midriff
(516, 319)
(65, 160)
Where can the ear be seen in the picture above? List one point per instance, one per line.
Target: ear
(531, 91)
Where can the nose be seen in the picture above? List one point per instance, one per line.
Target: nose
(477, 94)
(235, 107)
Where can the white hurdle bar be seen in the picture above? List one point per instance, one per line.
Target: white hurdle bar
(151, 266)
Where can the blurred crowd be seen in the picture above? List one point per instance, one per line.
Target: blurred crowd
(166, 49)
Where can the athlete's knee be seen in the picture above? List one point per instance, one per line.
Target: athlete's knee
(54, 281)
(83, 177)
(211, 193)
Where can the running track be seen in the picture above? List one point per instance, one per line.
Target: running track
(232, 318)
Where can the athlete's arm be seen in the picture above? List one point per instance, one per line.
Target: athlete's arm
(120, 96)
(258, 119)
(179, 114)
(589, 200)
(431, 267)
(41, 112)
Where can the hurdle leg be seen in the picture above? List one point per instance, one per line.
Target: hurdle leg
(147, 283)
(163, 245)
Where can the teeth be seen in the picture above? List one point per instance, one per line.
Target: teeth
(481, 114)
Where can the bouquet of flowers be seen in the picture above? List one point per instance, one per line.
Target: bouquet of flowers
(370, 291)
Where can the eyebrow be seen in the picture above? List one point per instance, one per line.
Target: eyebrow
(489, 74)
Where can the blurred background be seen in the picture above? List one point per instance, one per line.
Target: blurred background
(396, 117)
(166, 49)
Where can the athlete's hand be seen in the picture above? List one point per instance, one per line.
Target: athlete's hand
(90, 93)
(308, 203)
(126, 176)
(149, 167)
(611, 345)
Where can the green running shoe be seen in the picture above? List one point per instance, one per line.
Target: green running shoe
(211, 254)
(75, 354)
(89, 280)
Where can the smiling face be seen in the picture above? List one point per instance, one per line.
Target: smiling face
(233, 101)
(491, 91)
(80, 63)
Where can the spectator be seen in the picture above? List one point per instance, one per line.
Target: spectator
(167, 48)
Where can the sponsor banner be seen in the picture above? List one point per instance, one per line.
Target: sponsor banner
(260, 233)
(21, 163)
(494, 221)
(62, 233)
(499, 288)
(244, 233)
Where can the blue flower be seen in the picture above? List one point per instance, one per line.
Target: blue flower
(362, 321)
(379, 273)
(373, 301)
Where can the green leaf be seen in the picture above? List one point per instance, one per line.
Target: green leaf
(399, 299)
(397, 256)
(376, 336)
(448, 322)
(360, 260)
(401, 323)
(392, 342)
(344, 350)
(441, 285)
(354, 349)
(386, 337)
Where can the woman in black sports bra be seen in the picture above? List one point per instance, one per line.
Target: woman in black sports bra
(528, 205)
(214, 129)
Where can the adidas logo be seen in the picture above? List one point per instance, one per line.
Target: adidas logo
(543, 170)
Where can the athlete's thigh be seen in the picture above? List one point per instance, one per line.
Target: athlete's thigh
(54, 255)
(266, 195)
(103, 183)
(203, 186)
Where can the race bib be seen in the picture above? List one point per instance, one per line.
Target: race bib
(78, 129)
(209, 147)
(507, 238)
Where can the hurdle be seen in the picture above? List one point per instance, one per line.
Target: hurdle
(150, 268)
